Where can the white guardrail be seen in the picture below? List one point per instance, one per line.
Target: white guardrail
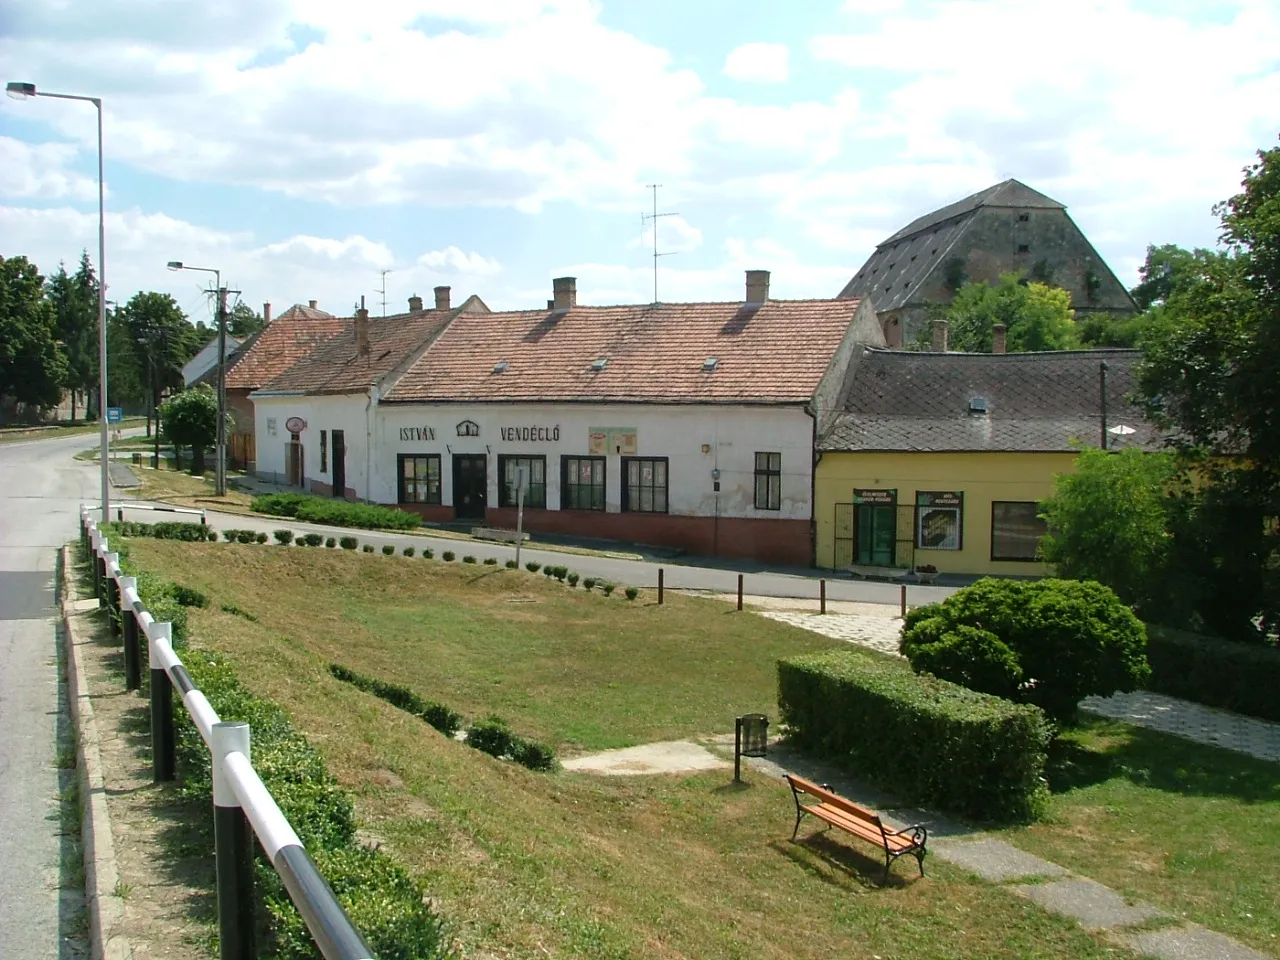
(243, 806)
(122, 507)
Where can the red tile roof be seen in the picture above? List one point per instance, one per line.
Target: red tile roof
(775, 352)
(277, 347)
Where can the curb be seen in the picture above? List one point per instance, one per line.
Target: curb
(106, 910)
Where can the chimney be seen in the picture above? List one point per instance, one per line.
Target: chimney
(939, 336)
(998, 338)
(415, 304)
(757, 286)
(312, 303)
(362, 332)
(565, 291)
(442, 298)
(266, 314)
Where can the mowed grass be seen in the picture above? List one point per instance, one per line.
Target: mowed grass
(533, 865)
(1193, 829)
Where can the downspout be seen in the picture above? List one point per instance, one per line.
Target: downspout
(813, 486)
(368, 443)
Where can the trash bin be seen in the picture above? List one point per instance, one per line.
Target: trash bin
(137, 459)
(750, 739)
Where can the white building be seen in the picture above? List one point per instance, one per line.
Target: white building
(687, 425)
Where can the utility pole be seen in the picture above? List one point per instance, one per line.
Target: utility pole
(645, 217)
(220, 469)
(1102, 397)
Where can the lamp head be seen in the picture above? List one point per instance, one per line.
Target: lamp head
(20, 91)
(175, 264)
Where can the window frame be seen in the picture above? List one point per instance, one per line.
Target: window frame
(627, 505)
(960, 524)
(772, 478)
(324, 451)
(1003, 559)
(565, 483)
(401, 488)
(509, 498)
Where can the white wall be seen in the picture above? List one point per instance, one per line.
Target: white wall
(348, 413)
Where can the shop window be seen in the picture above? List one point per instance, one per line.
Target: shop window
(939, 520)
(419, 478)
(535, 481)
(644, 484)
(582, 487)
(324, 451)
(768, 481)
(1015, 530)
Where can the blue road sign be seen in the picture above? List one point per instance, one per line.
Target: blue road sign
(114, 414)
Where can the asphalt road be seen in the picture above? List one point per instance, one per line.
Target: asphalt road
(41, 487)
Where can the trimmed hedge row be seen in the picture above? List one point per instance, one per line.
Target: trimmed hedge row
(1242, 677)
(337, 513)
(168, 530)
(930, 741)
(491, 735)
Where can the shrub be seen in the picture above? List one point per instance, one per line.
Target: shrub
(188, 597)
(437, 715)
(367, 548)
(348, 543)
(490, 561)
(447, 556)
(534, 755)
(311, 539)
(283, 537)
(388, 549)
(1055, 641)
(229, 535)
(573, 579)
(1241, 677)
(232, 609)
(548, 572)
(561, 573)
(260, 538)
(608, 588)
(533, 566)
(512, 565)
(631, 593)
(278, 504)
(589, 583)
(491, 736)
(330, 542)
(173, 530)
(428, 553)
(931, 741)
(408, 551)
(337, 513)
(246, 536)
(468, 559)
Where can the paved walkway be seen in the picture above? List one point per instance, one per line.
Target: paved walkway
(1155, 711)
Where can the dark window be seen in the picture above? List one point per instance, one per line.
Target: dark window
(939, 520)
(768, 481)
(1024, 248)
(1015, 530)
(324, 451)
(644, 484)
(419, 478)
(1024, 217)
(535, 481)
(582, 486)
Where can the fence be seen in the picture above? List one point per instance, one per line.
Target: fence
(243, 807)
(122, 507)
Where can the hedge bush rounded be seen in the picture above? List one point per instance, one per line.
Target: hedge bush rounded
(330, 542)
(388, 549)
(408, 551)
(367, 548)
(533, 566)
(631, 593)
(1046, 642)
(428, 553)
(283, 537)
(490, 561)
(468, 559)
(512, 565)
(348, 543)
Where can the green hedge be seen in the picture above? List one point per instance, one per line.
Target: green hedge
(928, 740)
(439, 716)
(336, 513)
(1242, 677)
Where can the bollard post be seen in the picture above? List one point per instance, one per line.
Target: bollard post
(100, 565)
(659, 586)
(163, 759)
(233, 848)
(739, 591)
(129, 625)
(112, 562)
(97, 570)
(84, 531)
(822, 596)
(120, 514)
(902, 602)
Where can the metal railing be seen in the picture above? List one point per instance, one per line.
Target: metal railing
(243, 806)
(122, 507)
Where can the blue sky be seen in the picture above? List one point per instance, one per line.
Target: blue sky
(302, 146)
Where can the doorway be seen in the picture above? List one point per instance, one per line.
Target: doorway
(294, 472)
(470, 486)
(339, 464)
(876, 530)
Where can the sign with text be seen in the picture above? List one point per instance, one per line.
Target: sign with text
(881, 497)
(603, 440)
(938, 520)
(417, 433)
(115, 414)
(295, 424)
(530, 434)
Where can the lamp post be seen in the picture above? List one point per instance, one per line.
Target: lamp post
(25, 91)
(220, 465)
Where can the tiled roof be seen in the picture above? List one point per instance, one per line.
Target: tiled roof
(775, 352)
(277, 347)
(335, 366)
(1008, 193)
(304, 312)
(906, 401)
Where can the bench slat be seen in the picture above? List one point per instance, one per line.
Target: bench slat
(834, 799)
(859, 828)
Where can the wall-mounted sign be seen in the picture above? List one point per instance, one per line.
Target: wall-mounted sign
(939, 516)
(295, 424)
(468, 428)
(880, 497)
(417, 433)
(603, 440)
(530, 434)
(271, 426)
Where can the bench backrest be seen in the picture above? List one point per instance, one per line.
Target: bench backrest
(834, 799)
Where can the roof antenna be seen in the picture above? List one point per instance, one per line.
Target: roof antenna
(383, 291)
(655, 216)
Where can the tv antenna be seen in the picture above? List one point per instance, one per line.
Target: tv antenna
(383, 290)
(655, 216)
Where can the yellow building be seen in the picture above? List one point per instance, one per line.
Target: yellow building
(940, 459)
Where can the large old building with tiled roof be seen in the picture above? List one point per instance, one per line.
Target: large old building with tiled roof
(1005, 228)
(689, 425)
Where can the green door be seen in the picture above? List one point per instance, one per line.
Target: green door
(876, 525)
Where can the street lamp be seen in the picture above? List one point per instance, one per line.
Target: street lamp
(25, 91)
(220, 465)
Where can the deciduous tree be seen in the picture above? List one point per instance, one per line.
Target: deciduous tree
(32, 365)
(1035, 316)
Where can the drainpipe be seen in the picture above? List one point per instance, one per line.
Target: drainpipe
(813, 487)
(368, 442)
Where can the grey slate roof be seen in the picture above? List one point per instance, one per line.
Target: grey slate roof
(901, 263)
(1036, 402)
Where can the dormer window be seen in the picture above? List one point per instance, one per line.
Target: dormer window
(500, 366)
(710, 364)
(978, 405)
(599, 364)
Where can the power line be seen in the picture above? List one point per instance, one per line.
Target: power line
(655, 216)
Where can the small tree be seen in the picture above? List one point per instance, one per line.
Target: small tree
(191, 419)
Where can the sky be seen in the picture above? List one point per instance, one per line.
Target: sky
(302, 147)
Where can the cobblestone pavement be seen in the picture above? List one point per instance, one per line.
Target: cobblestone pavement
(1182, 718)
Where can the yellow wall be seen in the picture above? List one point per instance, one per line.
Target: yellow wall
(981, 477)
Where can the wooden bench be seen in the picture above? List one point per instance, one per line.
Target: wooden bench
(836, 811)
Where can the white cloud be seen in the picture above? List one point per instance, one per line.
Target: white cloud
(758, 63)
(40, 171)
(453, 260)
(675, 235)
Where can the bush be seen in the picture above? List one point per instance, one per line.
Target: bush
(608, 588)
(388, 549)
(534, 755)
(573, 579)
(408, 551)
(367, 548)
(230, 535)
(235, 611)
(631, 593)
(330, 543)
(548, 572)
(348, 543)
(491, 736)
(283, 537)
(336, 513)
(437, 715)
(428, 553)
(246, 536)
(173, 530)
(490, 561)
(188, 597)
(930, 741)
(278, 504)
(533, 566)
(311, 539)
(260, 538)
(447, 556)
(512, 565)
(561, 573)
(1228, 674)
(468, 559)
(589, 583)
(1056, 641)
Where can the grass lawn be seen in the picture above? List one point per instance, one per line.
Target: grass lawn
(180, 488)
(533, 865)
(11, 433)
(1190, 828)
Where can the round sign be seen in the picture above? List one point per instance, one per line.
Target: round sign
(295, 424)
